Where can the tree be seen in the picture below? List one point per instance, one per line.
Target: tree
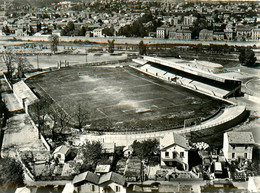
(38, 111)
(247, 57)
(142, 48)
(69, 29)
(111, 46)
(108, 31)
(11, 175)
(54, 39)
(71, 26)
(80, 116)
(9, 58)
(6, 30)
(145, 149)
(20, 67)
(92, 153)
(60, 119)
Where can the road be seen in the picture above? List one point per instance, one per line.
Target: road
(5, 40)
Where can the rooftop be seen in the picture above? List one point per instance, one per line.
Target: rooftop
(111, 176)
(240, 137)
(169, 140)
(61, 149)
(86, 176)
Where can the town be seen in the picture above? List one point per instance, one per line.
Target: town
(229, 21)
(129, 96)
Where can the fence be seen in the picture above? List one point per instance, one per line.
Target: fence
(126, 138)
(45, 143)
(7, 81)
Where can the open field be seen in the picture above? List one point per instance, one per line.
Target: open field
(121, 99)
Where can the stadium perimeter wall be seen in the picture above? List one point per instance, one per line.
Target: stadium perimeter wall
(127, 138)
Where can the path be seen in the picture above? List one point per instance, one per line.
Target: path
(20, 135)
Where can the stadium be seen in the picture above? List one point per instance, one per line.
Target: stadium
(148, 95)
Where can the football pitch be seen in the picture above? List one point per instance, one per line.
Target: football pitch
(123, 99)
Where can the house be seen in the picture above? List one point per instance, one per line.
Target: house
(161, 32)
(228, 31)
(90, 182)
(218, 36)
(172, 33)
(238, 145)
(206, 35)
(254, 184)
(174, 151)
(229, 34)
(98, 32)
(60, 153)
(256, 33)
(183, 35)
(112, 182)
(243, 33)
(128, 150)
(86, 182)
(189, 20)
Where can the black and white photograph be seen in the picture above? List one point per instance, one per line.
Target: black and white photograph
(129, 96)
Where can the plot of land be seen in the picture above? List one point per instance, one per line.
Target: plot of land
(122, 98)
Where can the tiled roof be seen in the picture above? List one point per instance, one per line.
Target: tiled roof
(173, 138)
(86, 176)
(112, 176)
(96, 179)
(240, 138)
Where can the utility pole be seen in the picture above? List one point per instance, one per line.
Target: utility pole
(37, 61)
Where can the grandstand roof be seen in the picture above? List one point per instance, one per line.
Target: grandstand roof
(187, 66)
(208, 64)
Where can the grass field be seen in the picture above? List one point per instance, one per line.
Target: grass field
(120, 99)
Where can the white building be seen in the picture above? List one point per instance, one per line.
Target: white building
(174, 151)
(60, 153)
(256, 33)
(161, 32)
(98, 32)
(238, 145)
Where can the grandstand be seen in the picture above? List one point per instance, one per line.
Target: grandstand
(200, 76)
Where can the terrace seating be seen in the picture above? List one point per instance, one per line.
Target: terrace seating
(187, 82)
